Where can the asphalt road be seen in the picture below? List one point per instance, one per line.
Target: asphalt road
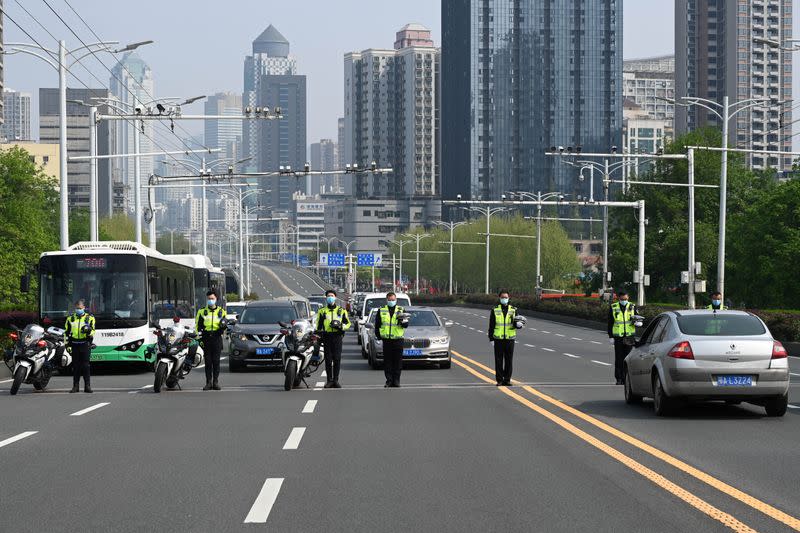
(448, 451)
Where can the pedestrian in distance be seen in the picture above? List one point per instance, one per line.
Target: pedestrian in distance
(79, 333)
(716, 302)
(210, 323)
(621, 332)
(390, 328)
(503, 334)
(332, 322)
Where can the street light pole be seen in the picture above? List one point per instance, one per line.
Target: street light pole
(204, 211)
(137, 183)
(606, 186)
(723, 200)
(417, 237)
(451, 226)
(62, 143)
(690, 296)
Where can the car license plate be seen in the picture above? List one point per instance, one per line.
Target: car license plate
(265, 351)
(412, 352)
(734, 381)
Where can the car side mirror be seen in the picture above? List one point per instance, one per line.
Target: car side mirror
(448, 324)
(24, 283)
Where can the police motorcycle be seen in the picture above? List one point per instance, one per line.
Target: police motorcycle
(302, 354)
(177, 352)
(36, 355)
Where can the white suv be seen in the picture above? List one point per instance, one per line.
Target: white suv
(374, 300)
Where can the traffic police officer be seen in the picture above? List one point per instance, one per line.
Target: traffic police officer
(621, 331)
(503, 333)
(79, 333)
(332, 322)
(390, 330)
(716, 302)
(210, 323)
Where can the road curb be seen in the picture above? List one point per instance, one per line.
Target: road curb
(563, 319)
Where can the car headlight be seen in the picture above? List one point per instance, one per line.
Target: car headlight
(242, 337)
(440, 340)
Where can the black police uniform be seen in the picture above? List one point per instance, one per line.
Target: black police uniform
(392, 353)
(503, 351)
(332, 342)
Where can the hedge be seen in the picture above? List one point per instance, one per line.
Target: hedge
(784, 325)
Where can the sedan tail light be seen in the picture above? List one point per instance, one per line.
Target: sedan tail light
(13, 336)
(682, 350)
(778, 351)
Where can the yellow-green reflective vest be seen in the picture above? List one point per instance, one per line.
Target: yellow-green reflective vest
(390, 326)
(74, 326)
(208, 319)
(504, 324)
(329, 315)
(721, 307)
(623, 320)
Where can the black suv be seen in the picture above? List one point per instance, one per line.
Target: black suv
(256, 337)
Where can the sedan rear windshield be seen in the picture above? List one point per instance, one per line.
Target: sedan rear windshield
(720, 325)
(267, 315)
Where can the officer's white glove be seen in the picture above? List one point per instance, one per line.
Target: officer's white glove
(611, 340)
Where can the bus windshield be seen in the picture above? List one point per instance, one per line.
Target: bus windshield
(112, 286)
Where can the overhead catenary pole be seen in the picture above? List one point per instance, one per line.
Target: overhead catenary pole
(93, 223)
(204, 212)
(606, 186)
(690, 295)
(137, 183)
(62, 144)
(642, 222)
(723, 199)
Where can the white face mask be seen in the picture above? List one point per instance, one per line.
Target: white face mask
(130, 296)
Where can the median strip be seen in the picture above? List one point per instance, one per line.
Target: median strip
(89, 409)
(15, 438)
(293, 442)
(261, 508)
(721, 486)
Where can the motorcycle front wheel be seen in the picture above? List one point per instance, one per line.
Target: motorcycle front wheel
(161, 377)
(41, 384)
(291, 374)
(19, 377)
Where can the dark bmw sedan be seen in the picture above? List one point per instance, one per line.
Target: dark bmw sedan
(256, 338)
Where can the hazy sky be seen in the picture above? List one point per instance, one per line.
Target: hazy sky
(200, 44)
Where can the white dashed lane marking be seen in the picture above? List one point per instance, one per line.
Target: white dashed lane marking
(89, 409)
(548, 350)
(543, 331)
(601, 363)
(595, 342)
(572, 355)
(15, 438)
(560, 335)
(576, 339)
(310, 406)
(530, 346)
(293, 442)
(261, 508)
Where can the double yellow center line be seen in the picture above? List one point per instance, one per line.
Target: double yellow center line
(475, 368)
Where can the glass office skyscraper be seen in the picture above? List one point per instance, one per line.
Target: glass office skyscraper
(519, 76)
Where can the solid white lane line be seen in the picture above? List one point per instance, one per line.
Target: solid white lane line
(293, 442)
(548, 350)
(571, 355)
(6, 381)
(89, 409)
(601, 363)
(530, 346)
(261, 508)
(790, 405)
(15, 438)
(576, 339)
(595, 342)
(310, 406)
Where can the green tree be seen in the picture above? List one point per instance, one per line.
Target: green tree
(78, 225)
(168, 243)
(666, 234)
(29, 215)
(512, 260)
(118, 227)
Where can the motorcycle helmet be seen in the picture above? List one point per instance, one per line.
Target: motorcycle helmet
(520, 321)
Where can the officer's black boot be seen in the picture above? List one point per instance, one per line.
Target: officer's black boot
(215, 385)
(75, 388)
(208, 386)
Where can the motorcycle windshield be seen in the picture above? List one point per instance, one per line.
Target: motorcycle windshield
(173, 335)
(31, 335)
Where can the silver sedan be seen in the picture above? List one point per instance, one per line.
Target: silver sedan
(704, 355)
(426, 339)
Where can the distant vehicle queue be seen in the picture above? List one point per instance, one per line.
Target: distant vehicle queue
(123, 302)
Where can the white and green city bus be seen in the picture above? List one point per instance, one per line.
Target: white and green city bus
(128, 287)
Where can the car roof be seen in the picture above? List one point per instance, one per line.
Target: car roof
(383, 295)
(691, 312)
(419, 308)
(271, 303)
(291, 298)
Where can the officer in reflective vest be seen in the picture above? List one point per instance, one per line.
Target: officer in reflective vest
(716, 302)
(503, 333)
(621, 332)
(79, 334)
(210, 323)
(332, 322)
(390, 331)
